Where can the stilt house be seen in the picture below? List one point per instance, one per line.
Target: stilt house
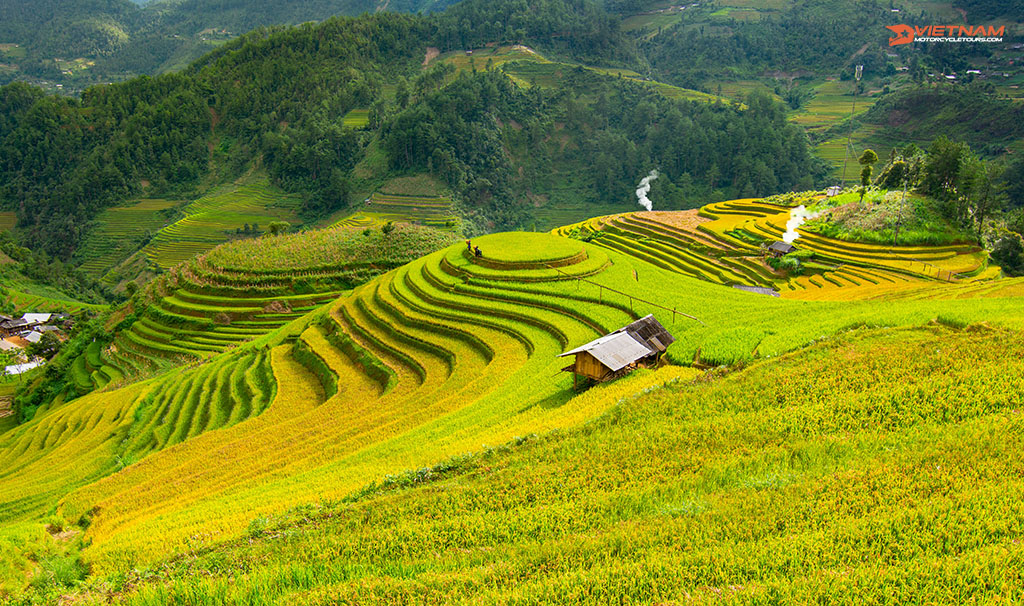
(616, 354)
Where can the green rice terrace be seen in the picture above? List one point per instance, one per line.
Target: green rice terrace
(7, 220)
(219, 217)
(377, 440)
(725, 243)
(356, 118)
(120, 231)
(527, 68)
(49, 302)
(433, 210)
(243, 290)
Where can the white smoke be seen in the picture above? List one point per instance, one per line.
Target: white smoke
(797, 216)
(643, 188)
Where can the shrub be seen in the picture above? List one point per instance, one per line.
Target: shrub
(59, 571)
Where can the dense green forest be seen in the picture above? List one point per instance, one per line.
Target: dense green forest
(276, 97)
(578, 29)
(988, 9)
(121, 37)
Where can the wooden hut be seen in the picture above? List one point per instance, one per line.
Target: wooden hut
(778, 249)
(616, 354)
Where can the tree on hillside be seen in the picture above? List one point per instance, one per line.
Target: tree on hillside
(278, 227)
(942, 167)
(6, 359)
(979, 184)
(1012, 182)
(966, 186)
(47, 346)
(1008, 252)
(867, 161)
(903, 171)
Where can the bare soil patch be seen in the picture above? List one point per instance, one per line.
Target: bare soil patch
(432, 53)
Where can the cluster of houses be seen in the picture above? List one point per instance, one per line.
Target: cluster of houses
(17, 334)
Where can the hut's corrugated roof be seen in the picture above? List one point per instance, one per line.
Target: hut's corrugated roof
(782, 247)
(628, 344)
(615, 350)
(650, 332)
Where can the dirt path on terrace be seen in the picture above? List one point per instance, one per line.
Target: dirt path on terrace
(683, 219)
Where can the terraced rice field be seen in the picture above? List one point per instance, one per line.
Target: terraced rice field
(494, 56)
(831, 103)
(356, 118)
(735, 489)
(435, 211)
(244, 290)
(725, 248)
(739, 90)
(201, 310)
(214, 219)
(7, 220)
(360, 221)
(33, 302)
(119, 231)
(439, 357)
(865, 137)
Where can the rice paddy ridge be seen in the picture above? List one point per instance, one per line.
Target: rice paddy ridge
(925, 262)
(356, 118)
(526, 67)
(34, 302)
(437, 356)
(454, 362)
(215, 218)
(359, 221)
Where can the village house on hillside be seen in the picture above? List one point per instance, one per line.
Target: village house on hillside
(30, 322)
(616, 354)
(18, 334)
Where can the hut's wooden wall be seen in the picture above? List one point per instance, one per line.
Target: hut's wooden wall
(589, 366)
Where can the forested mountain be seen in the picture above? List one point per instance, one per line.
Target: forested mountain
(810, 36)
(277, 96)
(115, 38)
(579, 29)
